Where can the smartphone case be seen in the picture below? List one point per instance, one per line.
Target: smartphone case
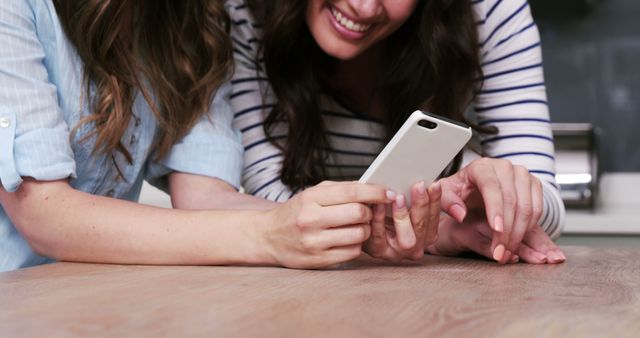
(417, 153)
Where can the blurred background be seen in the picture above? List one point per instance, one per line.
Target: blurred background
(591, 52)
(592, 68)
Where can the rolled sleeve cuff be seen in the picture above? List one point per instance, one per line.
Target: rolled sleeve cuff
(220, 157)
(554, 213)
(44, 154)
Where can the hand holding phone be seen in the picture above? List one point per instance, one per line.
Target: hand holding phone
(419, 151)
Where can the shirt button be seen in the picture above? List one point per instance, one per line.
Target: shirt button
(137, 123)
(5, 122)
(110, 193)
(133, 140)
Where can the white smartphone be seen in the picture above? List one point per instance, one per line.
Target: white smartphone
(420, 150)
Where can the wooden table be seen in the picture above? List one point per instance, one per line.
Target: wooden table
(596, 293)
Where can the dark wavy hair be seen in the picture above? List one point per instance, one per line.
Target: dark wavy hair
(180, 48)
(430, 63)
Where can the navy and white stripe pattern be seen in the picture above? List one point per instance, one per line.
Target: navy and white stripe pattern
(512, 98)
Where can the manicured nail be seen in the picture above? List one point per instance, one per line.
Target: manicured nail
(436, 186)
(458, 212)
(515, 259)
(540, 257)
(555, 257)
(391, 195)
(498, 252)
(564, 258)
(422, 190)
(498, 224)
(400, 201)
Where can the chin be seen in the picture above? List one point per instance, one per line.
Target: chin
(342, 53)
(345, 56)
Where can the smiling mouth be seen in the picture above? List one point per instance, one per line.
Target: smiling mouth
(347, 23)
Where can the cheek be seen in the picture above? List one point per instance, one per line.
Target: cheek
(313, 12)
(313, 18)
(400, 11)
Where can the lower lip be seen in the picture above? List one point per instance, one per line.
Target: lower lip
(343, 31)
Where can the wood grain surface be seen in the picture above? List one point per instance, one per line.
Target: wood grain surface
(596, 293)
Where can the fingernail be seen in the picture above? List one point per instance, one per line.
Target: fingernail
(554, 257)
(564, 258)
(498, 252)
(400, 201)
(391, 195)
(515, 259)
(540, 257)
(498, 224)
(422, 190)
(458, 212)
(437, 186)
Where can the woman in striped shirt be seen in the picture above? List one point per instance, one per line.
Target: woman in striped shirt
(344, 74)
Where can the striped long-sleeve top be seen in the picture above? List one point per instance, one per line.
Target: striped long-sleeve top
(512, 98)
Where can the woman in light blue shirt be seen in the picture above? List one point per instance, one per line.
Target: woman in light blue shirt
(78, 136)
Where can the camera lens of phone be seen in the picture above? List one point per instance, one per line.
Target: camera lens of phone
(427, 124)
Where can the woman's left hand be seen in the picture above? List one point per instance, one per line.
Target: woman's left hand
(504, 202)
(475, 235)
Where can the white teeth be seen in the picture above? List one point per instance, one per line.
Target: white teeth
(348, 24)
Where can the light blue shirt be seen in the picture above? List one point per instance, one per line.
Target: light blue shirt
(41, 101)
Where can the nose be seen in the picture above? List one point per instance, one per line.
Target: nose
(365, 8)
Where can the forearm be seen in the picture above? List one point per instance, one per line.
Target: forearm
(238, 201)
(195, 192)
(70, 225)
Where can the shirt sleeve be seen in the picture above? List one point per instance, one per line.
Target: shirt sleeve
(34, 137)
(252, 100)
(513, 99)
(211, 148)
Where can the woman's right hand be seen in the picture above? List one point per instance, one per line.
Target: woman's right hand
(323, 225)
(406, 233)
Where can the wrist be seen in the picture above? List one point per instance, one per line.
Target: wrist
(246, 245)
(260, 232)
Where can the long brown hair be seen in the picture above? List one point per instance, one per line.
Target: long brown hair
(431, 63)
(180, 50)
